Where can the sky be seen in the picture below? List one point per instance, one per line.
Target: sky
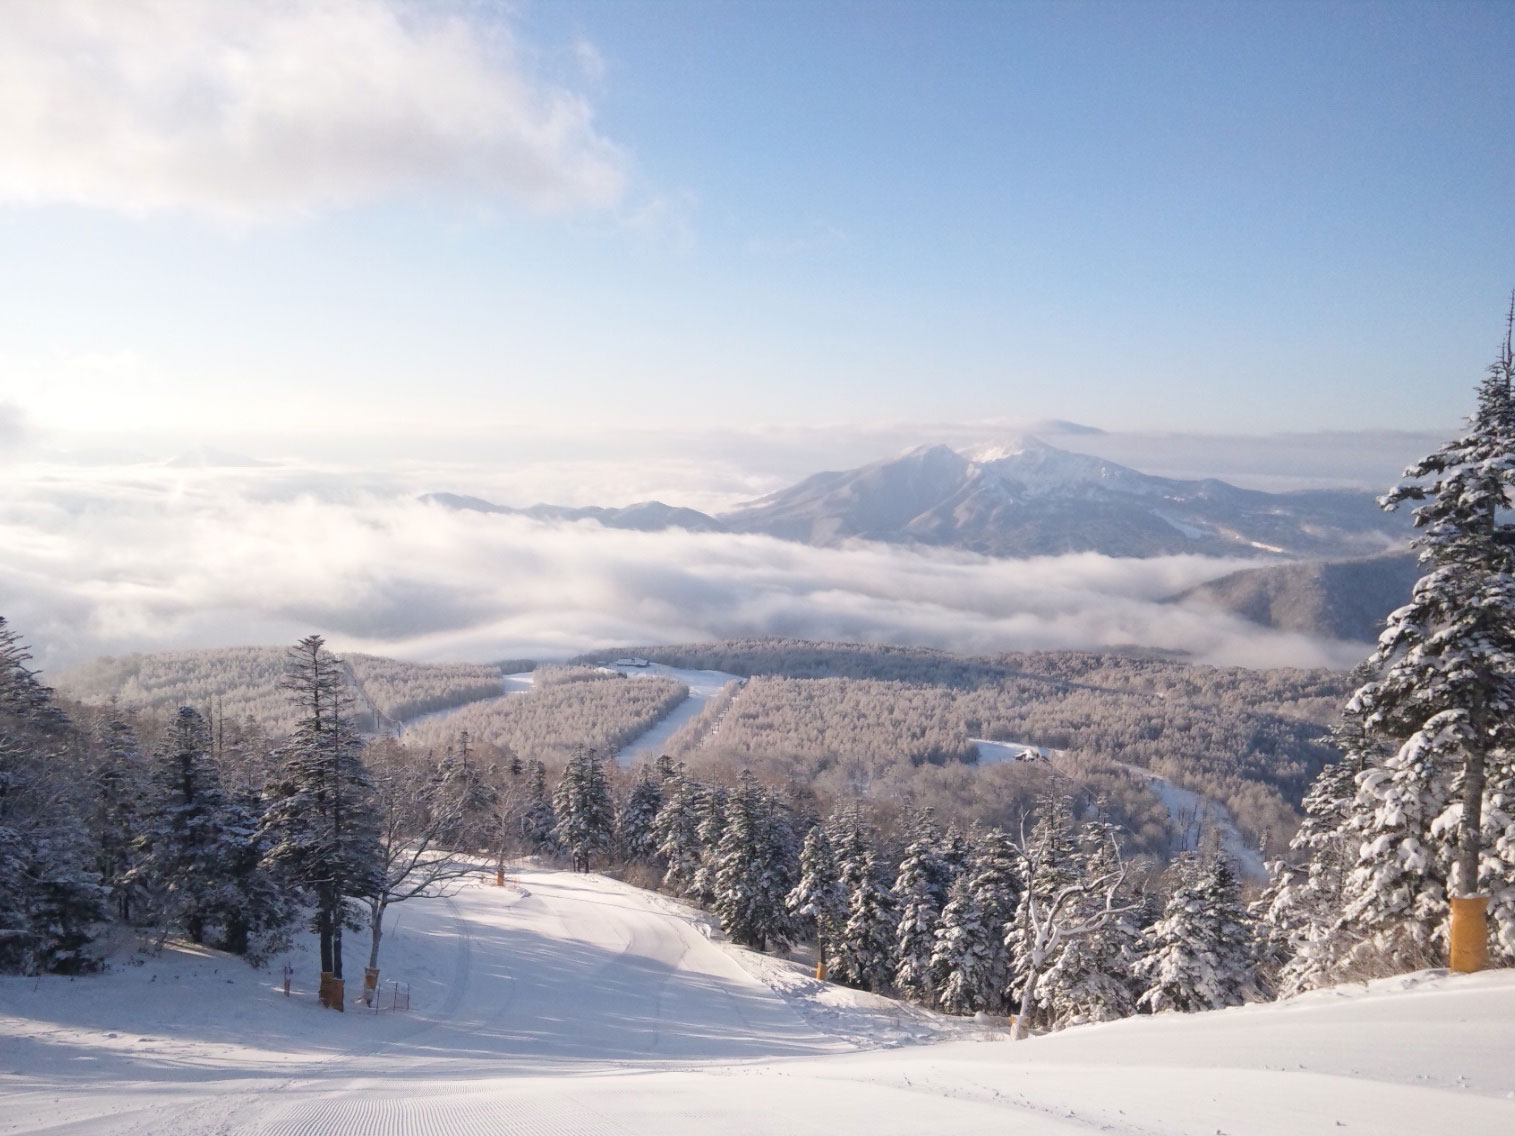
(274, 269)
(374, 219)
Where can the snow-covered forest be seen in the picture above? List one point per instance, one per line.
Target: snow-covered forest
(568, 710)
(239, 683)
(1251, 740)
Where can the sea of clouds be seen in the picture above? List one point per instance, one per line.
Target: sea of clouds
(108, 559)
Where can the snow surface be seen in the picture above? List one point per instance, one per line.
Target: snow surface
(990, 752)
(576, 1004)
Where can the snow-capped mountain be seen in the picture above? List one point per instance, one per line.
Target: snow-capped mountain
(1029, 498)
(1023, 499)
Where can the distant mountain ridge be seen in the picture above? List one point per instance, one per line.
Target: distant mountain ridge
(1025, 499)
(645, 516)
(1348, 599)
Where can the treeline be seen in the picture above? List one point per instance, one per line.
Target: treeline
(595, 709)
(239, 684)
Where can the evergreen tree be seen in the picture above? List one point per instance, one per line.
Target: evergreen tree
(918, 898)
(638, 818)
(964, 953)
(819, 900)
(586, 817)
(51, 899)
(120, 785)
(865, 954)
(752, 877)
(187, 859)
(994, 874)
(712, 826)
(1302, 936)
(780, 871)
(320, 822)
(1202, 955)
(676, 830)
(538, 821)
(472, 799)
(1431, 818)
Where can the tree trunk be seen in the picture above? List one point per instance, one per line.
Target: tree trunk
(376, 924)
(336, 945)
(1023, 1018)
(323, 929)
(1471, 836)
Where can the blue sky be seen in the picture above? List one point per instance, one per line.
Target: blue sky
(381, 219)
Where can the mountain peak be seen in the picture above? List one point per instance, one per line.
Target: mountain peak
(1011, 448)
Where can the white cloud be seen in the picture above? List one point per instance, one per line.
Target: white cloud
(13, 429)
(254, 109)
(159, 557)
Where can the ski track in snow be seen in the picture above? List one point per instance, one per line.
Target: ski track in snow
(702, 685)
(576, 1004)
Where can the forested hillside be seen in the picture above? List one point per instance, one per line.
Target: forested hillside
(1251, 740)
(237, 683)
(603, 712)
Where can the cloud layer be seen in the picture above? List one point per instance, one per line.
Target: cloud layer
(254, 109)
(174, 557)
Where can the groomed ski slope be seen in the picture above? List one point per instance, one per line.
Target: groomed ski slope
(575, 1004)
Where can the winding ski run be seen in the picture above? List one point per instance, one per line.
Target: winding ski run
(576, 1004)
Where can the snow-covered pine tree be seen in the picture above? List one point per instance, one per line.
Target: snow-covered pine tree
(918, 898)
(994, 874)
(320, 820)
(712, 807)
(120, 786)
(472, 797)
(956, 851)
(1302, 937)
(1202, 954)
(964, 953)
(676, 830)
(538, 821)
(819, 900)
(780, 871)
(852, 840)
(186, 857)
(865, 953)
(637, 818)
(586, 817)
(750, 873)
(51, 899)
(1431, 817)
